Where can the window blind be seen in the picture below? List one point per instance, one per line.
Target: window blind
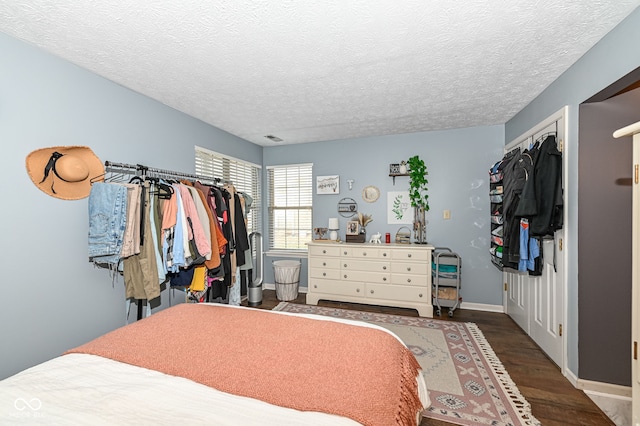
(244, 176)
(290, 206)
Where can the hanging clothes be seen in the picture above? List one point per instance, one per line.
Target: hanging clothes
(140, 270)
(513, 182)
(186, 234)
(105, 237)
(214, 258)
(542, 196)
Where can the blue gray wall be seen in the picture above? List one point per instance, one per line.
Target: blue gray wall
(458, 162)
(614, 56)
(52, 298)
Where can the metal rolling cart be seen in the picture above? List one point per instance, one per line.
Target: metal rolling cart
(445, 276)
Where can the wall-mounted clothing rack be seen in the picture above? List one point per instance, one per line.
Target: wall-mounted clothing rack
(145, 171)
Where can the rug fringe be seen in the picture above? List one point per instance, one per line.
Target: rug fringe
(521, 405)
(280, 306)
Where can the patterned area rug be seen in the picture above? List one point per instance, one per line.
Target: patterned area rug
(467, 383)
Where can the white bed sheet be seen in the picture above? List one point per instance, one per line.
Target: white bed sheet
(81, 389)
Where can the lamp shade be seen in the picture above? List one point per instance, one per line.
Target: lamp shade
(333, 223)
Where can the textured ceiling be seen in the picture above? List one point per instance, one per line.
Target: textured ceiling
(325, 70)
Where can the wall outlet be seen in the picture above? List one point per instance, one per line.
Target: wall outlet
(446, 214)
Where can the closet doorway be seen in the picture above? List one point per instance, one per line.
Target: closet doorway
(605, 173)
(537, 303)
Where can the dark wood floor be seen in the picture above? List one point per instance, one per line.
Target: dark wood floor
(553, 399)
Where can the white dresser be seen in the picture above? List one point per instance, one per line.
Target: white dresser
(375, 274)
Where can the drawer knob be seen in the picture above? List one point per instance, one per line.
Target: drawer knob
(384, 278)
(345, 276)
(357, 290)
(420, 295)
(315, 286)
(364, 254)
(324, 274)
(345, 252)
(324, 251)
(345, 265)
(324, 263)
(384, 268)
(409, 255)
(384, 254)
(371, 291)
(409, 269)
(408, 280)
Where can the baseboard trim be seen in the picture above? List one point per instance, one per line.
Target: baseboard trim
(573, 379)
(482, 307)
(604, 389)
(271, 286)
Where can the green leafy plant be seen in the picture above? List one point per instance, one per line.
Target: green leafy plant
(418, 183)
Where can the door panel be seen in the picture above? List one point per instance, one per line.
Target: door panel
(517, 299)
(547, 302)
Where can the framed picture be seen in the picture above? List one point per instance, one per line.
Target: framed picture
(353, 227)
(399, 211)
(328, 184)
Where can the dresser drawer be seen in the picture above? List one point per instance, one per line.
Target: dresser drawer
(324, 262)
(398, 292)
(326, 249)
(421, 268)
(375, 277)
(411, 279)
(348, 264)
(341, 288)
(411, 255)
(365, 252)
(332, 274)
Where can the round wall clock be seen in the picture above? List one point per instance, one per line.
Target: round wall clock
(370, 194)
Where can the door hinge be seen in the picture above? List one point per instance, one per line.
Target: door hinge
(506, 286)
(635, 350)
(560, 329)
(560, 244)
(561, 145)
(636, 173)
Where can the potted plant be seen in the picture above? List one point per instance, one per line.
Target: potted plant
(419, 197)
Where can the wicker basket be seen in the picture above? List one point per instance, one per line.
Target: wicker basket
(287, 275)
(403, 236)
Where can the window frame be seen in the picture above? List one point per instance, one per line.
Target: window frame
(303, 193)
(245, 176)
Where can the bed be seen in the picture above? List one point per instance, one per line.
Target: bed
(225, 365)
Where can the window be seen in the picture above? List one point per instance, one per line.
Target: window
(245, 177)
(290, 206)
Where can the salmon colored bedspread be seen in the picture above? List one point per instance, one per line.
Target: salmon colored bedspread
(301, 363)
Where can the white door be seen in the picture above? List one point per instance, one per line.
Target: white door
(537, 303)
(547, 301)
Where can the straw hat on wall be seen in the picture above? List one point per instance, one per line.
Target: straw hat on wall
(65, 172)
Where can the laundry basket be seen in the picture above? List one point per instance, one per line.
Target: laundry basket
(287, 275)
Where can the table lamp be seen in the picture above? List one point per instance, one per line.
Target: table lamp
(334, 225)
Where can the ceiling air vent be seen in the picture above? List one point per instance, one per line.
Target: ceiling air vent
(273, 138)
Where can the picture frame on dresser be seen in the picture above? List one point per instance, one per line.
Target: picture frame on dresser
(353, 227)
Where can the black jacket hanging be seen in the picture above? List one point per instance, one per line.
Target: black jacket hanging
(542, 198)
(513, 181)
